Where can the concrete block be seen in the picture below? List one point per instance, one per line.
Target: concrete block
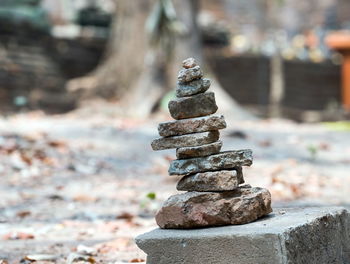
(316, 235)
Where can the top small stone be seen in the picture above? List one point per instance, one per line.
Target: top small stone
(188, 75)
(189, 63)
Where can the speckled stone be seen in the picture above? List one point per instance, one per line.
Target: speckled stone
(200, 151)
(221, 161)
(189, 63)
(191, 125)
(195, 139)
(195, 106)
(213, 181)
(192, 88)
(187, 75)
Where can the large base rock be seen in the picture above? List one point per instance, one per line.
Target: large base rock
(298, 236)
(202, 209)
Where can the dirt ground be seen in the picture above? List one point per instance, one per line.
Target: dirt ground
(79, 187)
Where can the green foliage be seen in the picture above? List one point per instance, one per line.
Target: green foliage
(147, 202)
(313, 151)
(151, 195)
(338, 126)
(165, 100)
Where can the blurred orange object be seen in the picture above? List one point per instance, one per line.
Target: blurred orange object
(340, 41)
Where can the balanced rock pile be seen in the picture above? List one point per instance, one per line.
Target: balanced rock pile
(213, 180)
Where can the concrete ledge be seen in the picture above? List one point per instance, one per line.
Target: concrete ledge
(302, 235)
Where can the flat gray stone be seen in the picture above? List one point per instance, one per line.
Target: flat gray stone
(200, 151)
(190, 74)
(287, 236)
(191, 125)
(195, 106)
(213, 181)
(192, 88)
(195, 139)
(189, 63)
(221, 161)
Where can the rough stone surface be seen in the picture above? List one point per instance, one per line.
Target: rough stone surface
(200, 151)
(195, 139)
(191, 125)
(303, 235)
(203, 209)
(195, 106)
(189, 63)
(221, 161)
(187, 75)
(215, 181)
(192, 88)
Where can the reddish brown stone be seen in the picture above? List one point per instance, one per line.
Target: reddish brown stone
(189, 63)
(203, 209)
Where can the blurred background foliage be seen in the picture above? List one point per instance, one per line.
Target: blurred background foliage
(283, 43)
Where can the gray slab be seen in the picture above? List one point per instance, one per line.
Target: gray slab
(288, 236)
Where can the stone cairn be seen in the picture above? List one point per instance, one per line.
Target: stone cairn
(213, 180)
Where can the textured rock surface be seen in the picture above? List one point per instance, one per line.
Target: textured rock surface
(225, 180)
(192, 88)
(191, 125)
(301, 235)
(200, 151)
(221, 161)
(195, 106)
(187, 75)
(195, 139)
(202, 209)
(189, 63)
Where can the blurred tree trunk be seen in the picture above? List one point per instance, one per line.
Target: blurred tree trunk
(137, 74)
(122, 63)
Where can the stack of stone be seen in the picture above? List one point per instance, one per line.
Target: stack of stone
(213, 180)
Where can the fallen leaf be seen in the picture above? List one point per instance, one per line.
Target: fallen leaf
(23, 214)
(265, 143)
(136, 260)
(168, 158)
(55, 197)
(56, 143)
(73, 257)
(238, 134)
(84, 198)
(119, 244)
(127, 216)
(324, 146)
(26, 158)
(41, 257)
(18, 236)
